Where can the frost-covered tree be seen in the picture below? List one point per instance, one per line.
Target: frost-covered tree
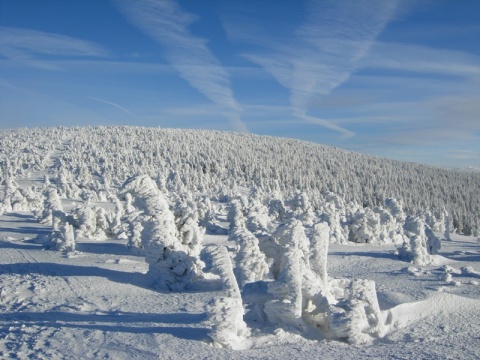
(319, 251)
(62, 239)
(333, 212)
(189, 232)
(91, 222)
(226, 312)
(415, 249)
(356, 317)
(236, 214)
(207, 216)
(434, 245)
(288, 271)
(276, 209)
(446, 235)
(302, 208)
(258, 220)
(396, 209)
(171, 264)
(250, 263)
(52, 213)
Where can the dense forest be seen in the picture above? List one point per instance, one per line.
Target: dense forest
(92, 159)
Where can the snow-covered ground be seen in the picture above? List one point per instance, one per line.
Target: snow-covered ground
(98, 303)
(130, 275)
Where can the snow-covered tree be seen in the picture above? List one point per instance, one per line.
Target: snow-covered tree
(171, 264)
(356, 317)
(250, 262)
(62, 239)
(236, 214)
(319, 251)
(52, 204)
(288, 271)
(302, 208)
(226, 312)
(416, 249)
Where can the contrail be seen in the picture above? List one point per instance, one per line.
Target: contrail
(113, 104)
(166, 23)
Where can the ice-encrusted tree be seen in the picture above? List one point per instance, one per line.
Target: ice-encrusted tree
(172, 264)
(395, 207)
(52, 204)
(236, 214)
(446, 235)
(226, 312)
(62, 239)
(319, 251)
(258, 220)
(302, 208)
(91, 222)
(276, 209)
(356, 316)
(416, 249)
(52, 208)
(250, 262)
(333, 212)
(189, 232)
(288, 271)
(434, 245)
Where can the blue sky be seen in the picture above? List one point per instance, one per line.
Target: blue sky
(399, 79)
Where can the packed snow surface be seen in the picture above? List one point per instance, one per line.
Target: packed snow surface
(96, 302)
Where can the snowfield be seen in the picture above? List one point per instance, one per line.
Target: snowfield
(160, 250)
(97, 303)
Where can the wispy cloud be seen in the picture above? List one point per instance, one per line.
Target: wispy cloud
(323, 52)
(463, 154)
(125, 110)
(415, 58)
(345, 134)
(167, 24)
(31, 47)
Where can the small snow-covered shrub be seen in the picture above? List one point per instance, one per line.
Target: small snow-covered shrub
(62, 239)
(189, 232)
(395, 207)
(276, 209)
(91, 223)
(17, 198)
(356, 317)
(333, 212)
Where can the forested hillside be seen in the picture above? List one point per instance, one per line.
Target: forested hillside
(92, 159)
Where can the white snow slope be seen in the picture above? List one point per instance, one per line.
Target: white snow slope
(96, 303)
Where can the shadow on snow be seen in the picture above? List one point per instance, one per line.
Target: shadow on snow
(141, 323)
(102, 247)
